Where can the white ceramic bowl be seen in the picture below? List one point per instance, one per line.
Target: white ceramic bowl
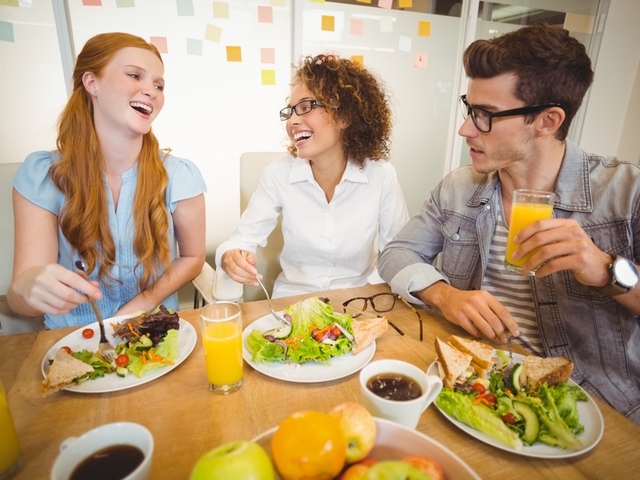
(394, 442)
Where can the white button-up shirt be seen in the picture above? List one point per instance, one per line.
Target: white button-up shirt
(327, 245)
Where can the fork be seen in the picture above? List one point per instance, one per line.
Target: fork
(510, 347)
(275, 315)
(105, 348)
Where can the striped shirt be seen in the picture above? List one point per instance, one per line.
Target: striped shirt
(512, 290)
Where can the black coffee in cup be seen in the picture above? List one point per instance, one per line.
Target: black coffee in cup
(110, 463)
(394, 386)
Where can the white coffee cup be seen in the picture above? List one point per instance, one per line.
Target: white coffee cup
(404, 412)
(75, 449)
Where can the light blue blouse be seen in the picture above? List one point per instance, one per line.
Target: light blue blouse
(33, 182)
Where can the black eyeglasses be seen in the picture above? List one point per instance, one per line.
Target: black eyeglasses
(381, 303)
(482, 118)
(301, 108)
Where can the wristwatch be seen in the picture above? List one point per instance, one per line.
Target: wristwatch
(624, 276)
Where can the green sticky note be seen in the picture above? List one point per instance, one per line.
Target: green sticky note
(6, 32)
(125, 3)
(185, 8)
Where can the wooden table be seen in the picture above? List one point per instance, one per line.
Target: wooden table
(187, 420)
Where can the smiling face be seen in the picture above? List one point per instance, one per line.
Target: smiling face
(510, 142)
(129, 95)
(316, 134)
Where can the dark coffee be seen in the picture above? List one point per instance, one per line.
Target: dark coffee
(394, 386)
(110, 463)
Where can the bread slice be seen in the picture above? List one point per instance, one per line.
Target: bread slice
(452, 363)
(63, 370)
(365, 331)
(481, 352)
(552, 370)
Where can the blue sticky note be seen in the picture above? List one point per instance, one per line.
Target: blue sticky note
(185, 8)
(6, 32)
(194, 46)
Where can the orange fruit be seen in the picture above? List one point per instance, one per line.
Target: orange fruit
(309, 446)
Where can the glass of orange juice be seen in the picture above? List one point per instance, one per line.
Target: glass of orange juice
(527, 207)
(222, 338)
(10, 454)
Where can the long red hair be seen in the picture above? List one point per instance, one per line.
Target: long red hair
(79, 176)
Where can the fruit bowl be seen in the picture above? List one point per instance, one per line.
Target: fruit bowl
(394, 442)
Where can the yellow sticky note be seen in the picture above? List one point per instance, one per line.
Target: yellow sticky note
(277, 3)
(234, 54)
(359, 59)
(328, 23)
(424, 29)
(213, 33)
(268, 77)
(318, 1)
(405, 3)
(220, 10)
(364, 1)
(10, 3)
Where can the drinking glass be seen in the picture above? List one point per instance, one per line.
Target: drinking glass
(527, 207)
(10, 454)
(222, 338)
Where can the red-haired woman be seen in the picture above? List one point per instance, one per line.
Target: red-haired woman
(107, 196)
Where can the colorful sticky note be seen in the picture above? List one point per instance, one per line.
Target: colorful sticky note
(234, 54)
(318, 1)
(160, 43)
(386, 24)
(10, 3)
(268, 77)
(213, 33)
(268, 55)
(265, 14)
(385, 4)
(356, 27)
(328, 23)
(404, 44)
(220, 10)
(194, 46)
(125, 3)
(359, 59)
(364, 1)
(92, 3)
(405, 3)
(277, 3)
(6, 32)
(420, 61)
(424, 29)
(185, 8)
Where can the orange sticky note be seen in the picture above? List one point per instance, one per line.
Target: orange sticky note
(424, 29)
(359, 59)
(364, 1)
(160, 43)
(328, 23)
(265, 14)
(420, 61)
(234, 54)
(213, 33)
(92, 3)
(268, 77)
(405, 3)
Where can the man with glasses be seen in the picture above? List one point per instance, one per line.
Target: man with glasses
(579, 299)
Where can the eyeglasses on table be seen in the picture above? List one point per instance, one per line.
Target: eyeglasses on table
(380, 303)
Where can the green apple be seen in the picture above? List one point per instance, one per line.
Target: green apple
(393, 470)
(241, 460)
(358, 427)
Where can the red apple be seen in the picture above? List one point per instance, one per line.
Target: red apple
(426, 465)
(358, 427)
(356, 471)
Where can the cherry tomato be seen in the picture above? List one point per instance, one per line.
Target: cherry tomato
(66, 349)
(336, 331)
(478, 387)
(491, 398)
(509, 418)
(122, 360)
(87, 333)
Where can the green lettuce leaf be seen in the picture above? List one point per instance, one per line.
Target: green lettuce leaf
(167, 349)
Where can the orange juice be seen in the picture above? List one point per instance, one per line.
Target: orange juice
(9, 447)
(223, 353)
(522, 215)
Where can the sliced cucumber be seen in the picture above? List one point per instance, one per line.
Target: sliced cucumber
(144, 343)
(531, 422)
(515, 377)
(121, 372)
(281, 332)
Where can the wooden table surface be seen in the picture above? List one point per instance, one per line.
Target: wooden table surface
(187, 420)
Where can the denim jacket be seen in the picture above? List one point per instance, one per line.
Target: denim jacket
(598, 334)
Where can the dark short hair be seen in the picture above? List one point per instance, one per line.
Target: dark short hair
(551, 67)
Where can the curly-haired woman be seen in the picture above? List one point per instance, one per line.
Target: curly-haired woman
(107, 196)
(340, 201)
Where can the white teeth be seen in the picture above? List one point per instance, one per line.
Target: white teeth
(141, 106)
(301, 135)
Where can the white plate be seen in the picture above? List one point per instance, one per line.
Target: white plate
(395, 441)
(311, 372)
(111, 382)
(590, 417)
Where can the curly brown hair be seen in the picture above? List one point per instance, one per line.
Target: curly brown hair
(357, 97)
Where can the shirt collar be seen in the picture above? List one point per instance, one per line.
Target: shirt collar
(301, 172)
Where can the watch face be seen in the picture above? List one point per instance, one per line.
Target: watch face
(625, 272)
